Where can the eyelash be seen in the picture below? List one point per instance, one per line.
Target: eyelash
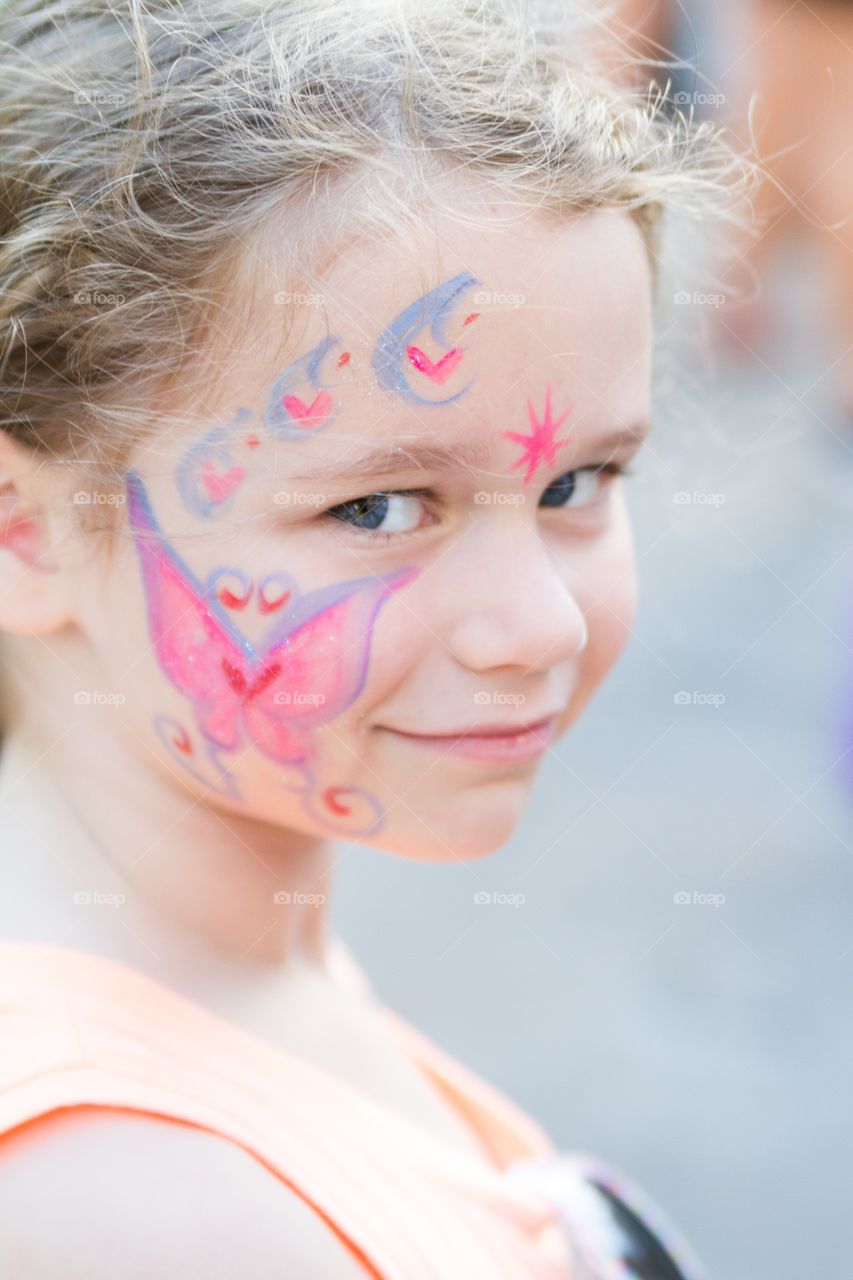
(372, 535)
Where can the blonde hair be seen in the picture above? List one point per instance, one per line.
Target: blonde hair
(145, 143)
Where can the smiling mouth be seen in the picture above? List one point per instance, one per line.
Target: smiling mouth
(497, 743)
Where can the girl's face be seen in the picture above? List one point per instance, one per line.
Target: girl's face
(383, 553)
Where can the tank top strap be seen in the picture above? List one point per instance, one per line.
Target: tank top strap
(83, 1030)
(508, 1132)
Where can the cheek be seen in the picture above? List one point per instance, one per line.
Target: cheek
(609, 609)
(398, 644)
(610, 621)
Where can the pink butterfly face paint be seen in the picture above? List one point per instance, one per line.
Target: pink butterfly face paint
(234, 589)
(310, 665)
(540, 445)
(211, 772)
(413, 356)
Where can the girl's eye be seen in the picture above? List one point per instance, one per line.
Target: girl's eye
(585, 482)
(397, 512)
(381, 514)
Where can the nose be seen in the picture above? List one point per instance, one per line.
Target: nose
(517, 606)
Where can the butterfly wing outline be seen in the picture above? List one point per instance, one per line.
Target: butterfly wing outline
(311, 666)
(316, 662)
(203, 655)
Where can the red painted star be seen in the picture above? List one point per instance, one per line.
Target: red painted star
(540, 445)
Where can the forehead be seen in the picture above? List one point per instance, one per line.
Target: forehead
(547, 294)
(533, 304)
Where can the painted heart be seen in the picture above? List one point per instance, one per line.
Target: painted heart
(231, 600)
(308, 416)
(183, 743)
(234, 589)
(267, 604)
(221, 583)
(438, 370)
(220, 484)
(331, 798)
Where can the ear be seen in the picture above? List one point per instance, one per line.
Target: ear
(33, 588)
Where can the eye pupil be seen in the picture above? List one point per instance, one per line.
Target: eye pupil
(559, 490)
(365, 513)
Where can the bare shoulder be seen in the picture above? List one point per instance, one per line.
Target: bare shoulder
(103, 1192)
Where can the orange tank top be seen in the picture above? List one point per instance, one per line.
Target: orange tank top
(79, 1029)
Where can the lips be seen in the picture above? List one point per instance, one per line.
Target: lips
(485, 730)
(490, 743)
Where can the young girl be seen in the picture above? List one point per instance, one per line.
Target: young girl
(326, 338)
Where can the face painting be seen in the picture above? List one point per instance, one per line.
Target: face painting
(539, 446)
(309, 666)
(387, 571)
(292, 412)
(232, 685)
(208, 475)
(403, 367)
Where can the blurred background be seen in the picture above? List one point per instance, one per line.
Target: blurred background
(673, 991)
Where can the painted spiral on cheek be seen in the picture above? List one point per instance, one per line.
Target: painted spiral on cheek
(350, 806)
(342, 810)
(346, 810)
(179, 744)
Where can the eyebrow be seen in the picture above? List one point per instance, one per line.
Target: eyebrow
(450, 455)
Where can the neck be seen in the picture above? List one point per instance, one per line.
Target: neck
(104, 855)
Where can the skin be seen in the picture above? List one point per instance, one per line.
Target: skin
(530, 605)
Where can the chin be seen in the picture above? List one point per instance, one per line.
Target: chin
(457, 828)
